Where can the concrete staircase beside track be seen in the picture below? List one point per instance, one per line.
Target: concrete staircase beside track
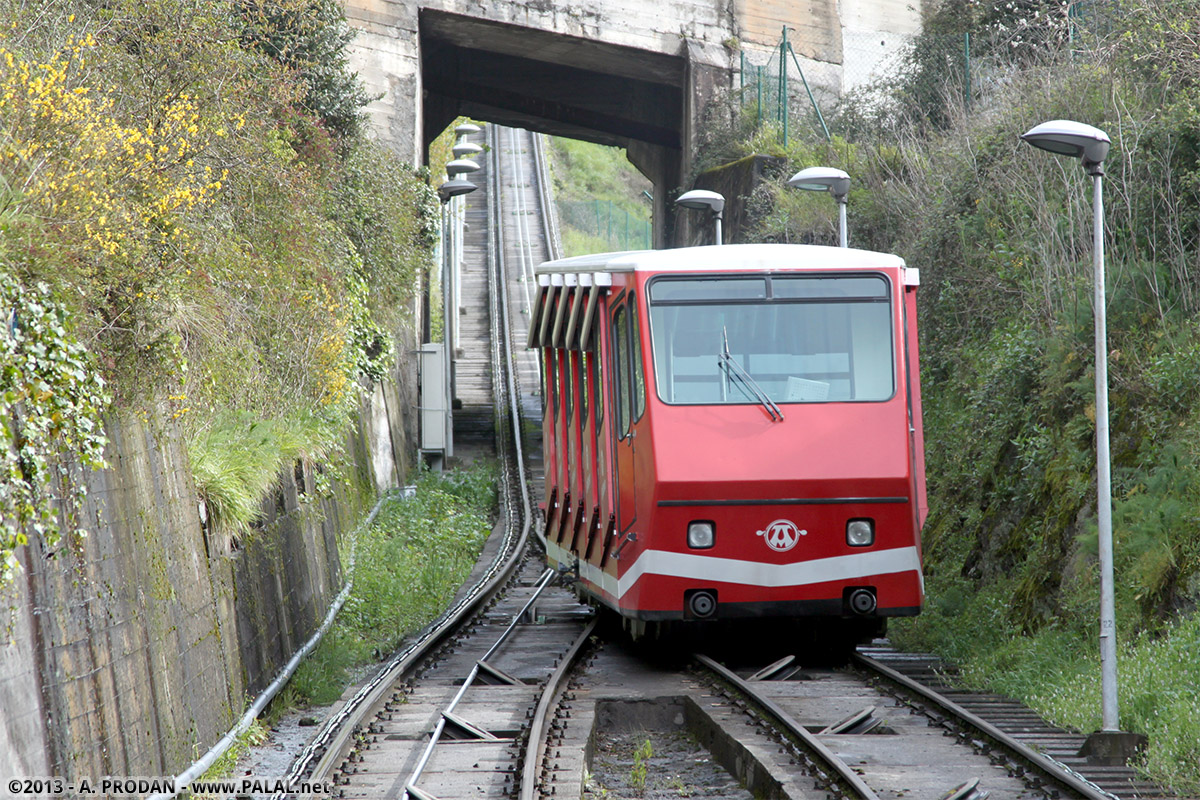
(474, 420)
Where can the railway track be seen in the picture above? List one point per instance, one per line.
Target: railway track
(786, 731)
(451, 714)
(992, 716)
(515, 693)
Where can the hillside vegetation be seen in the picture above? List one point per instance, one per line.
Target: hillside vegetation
(601, 198)
(193, 227)
(1002, 235)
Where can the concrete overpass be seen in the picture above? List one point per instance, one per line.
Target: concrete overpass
(637, 74)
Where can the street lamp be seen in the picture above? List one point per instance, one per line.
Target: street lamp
(704, 199)
(1090, 145)
(455, 187)
(466, 149)
(459, 166)
(827, 179)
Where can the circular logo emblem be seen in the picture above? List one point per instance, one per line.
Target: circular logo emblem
(782, 535)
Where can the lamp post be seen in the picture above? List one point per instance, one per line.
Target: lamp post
(1090, 145)
(455, 187)
(827, 179)
(704, 199)
(456, 168)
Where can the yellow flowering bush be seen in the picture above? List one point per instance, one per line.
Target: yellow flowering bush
(189, 181)
(112, 185)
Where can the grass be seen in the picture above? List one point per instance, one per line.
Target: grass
(580, 243)
(238, 457)
(641, 758)
(409, 565)
(591, 184)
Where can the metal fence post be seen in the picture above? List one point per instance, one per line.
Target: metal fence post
(967, 66)
(783, 99)
(811, 98)
(758, 115)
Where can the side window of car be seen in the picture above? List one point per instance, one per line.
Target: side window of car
(639, 373)
(620, 370)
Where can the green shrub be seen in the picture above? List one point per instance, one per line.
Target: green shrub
(409, 565)
(237, 460)
(51, 402)
(190, 182)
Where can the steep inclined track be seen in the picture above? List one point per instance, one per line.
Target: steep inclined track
(470, 681)
(519, 717)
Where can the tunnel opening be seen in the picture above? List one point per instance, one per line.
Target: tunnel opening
(549, 82)
(560, 84)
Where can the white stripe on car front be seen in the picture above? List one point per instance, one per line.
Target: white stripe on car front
(750, 573)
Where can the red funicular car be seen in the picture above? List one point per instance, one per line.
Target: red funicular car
(734, 432)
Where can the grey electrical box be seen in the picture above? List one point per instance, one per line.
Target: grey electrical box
(436, 420)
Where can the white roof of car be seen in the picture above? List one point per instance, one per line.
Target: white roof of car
(726, 258)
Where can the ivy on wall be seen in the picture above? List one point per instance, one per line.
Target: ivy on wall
(51, 401)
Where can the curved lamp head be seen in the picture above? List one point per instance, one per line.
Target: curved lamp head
(459, 166)
(455, 187)
(466, 149)
(704, 199)
(1074, 139)
(466, 127)
(820, 179)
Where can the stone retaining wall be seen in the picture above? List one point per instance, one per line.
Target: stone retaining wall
(132, 651)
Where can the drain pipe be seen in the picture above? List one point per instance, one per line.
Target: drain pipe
(184, 779)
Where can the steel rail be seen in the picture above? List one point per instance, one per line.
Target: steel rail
(546, 198)
(519, 211)
(534, 752)
(1060, 774)
(844, 773)
(410, 787)
(502, 356)
(328, 747)
(502, 347)
(321, 755)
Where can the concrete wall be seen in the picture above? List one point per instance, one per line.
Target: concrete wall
(738, 183)
(131, 651)
(840, 45)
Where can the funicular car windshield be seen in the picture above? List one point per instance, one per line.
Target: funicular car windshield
(799, 338)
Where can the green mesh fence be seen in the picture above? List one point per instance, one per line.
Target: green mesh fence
(958, 57)
(777, 89)
(604, 220)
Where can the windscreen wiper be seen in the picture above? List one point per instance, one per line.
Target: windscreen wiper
(734, 369)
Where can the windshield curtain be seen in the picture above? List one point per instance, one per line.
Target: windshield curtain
(803, 339)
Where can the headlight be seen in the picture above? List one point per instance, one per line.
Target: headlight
(700, 535)
(860, 532)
